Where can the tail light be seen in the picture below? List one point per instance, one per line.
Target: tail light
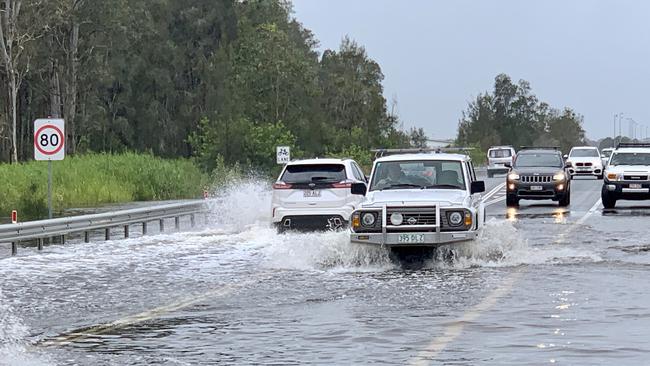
(342, 184)
(281, 185)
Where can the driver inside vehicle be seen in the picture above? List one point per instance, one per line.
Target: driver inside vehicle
(392, 175)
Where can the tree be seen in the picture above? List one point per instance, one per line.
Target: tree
(18, 28)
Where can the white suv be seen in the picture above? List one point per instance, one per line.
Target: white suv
(421, 200)
(315, 194)
(498, 159)
(585, 160)
(627, 176)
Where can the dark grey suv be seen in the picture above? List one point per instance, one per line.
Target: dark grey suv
(538, 174)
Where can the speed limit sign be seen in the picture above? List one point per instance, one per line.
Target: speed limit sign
(49, 139)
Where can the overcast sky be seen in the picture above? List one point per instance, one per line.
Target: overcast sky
(592, 56)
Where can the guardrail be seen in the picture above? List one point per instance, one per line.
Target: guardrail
(60, 227)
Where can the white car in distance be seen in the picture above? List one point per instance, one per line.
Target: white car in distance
(498, 159)
(585, 160)
(419, 200)
(315, 194)
(627, 176)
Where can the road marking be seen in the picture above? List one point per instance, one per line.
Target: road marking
(79, 334)
(455, 328)
(494, 191)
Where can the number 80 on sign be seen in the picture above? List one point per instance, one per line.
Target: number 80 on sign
(49, 139)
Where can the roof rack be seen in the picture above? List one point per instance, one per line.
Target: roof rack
(539, 148)
(438, 150)
(632, 144)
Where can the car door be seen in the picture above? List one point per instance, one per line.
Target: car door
(476, 199)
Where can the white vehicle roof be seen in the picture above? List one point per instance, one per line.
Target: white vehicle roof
(608, 149)
(421, 157)
(501, 147)
(317, 161)
(633, 150)
(584, 148)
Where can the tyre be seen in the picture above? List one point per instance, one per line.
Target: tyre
(608, 200)
(512, 201)
(601, 176)
(565, 200)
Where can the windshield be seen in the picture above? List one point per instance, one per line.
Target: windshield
(584, 153)
(538, 160)
(607, 153)
(500, 153)
(630, 159)
(314, 173)
(432, 174)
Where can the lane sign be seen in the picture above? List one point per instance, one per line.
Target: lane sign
(283, 154)
(49, 139)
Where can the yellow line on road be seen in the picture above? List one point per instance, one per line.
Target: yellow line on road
(455, 328)
(79, 334)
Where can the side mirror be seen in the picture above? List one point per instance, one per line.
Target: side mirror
(477, 187)
(507, 165)
(566, 157)
(359, 189)
(567, 165)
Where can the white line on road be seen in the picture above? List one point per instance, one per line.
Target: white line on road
(494, 191)
(455, 328)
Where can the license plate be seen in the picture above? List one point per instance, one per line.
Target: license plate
(311, 193)
(410, 238)
(536, 188)
(636, 186)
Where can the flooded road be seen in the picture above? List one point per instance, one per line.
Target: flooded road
(543, 285)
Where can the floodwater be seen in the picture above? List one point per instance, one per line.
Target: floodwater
(542, 285)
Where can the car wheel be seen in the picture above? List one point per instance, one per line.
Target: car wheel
(608, 200)
(601, 176)
(565, 200)
(512, 201)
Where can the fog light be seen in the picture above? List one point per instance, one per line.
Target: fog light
(611, 187)
(560, 187)
(511, 187)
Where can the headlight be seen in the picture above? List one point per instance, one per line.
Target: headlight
(455, 218)
(396, 219)
(513, 176)
(559, 176)
(613, 176)
(368, 219)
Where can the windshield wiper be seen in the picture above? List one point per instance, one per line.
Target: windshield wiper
(443, 186)
(402, 185)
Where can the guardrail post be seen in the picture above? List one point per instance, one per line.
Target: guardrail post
(126, 231)
(177, 223)
(14, 248)
(144, 228)
(86, 237)
(162, 225)
(62, 239)
(39, 243)
(192, 220)
(107, 233)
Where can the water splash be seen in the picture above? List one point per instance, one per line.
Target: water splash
(14, 349)
(241, 205)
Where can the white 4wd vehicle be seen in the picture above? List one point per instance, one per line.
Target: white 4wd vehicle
(627, 176)
(498, 159)
(585, 160)
(315, 194)
(419, 200)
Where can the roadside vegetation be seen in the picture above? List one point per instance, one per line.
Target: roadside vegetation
(94, 179)
(512, 115)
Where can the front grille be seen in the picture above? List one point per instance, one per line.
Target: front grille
(537, 179)
(635, 177)
(414, 215)
(583, 164)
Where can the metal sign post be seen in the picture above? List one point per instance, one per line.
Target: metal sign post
(49, 144)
